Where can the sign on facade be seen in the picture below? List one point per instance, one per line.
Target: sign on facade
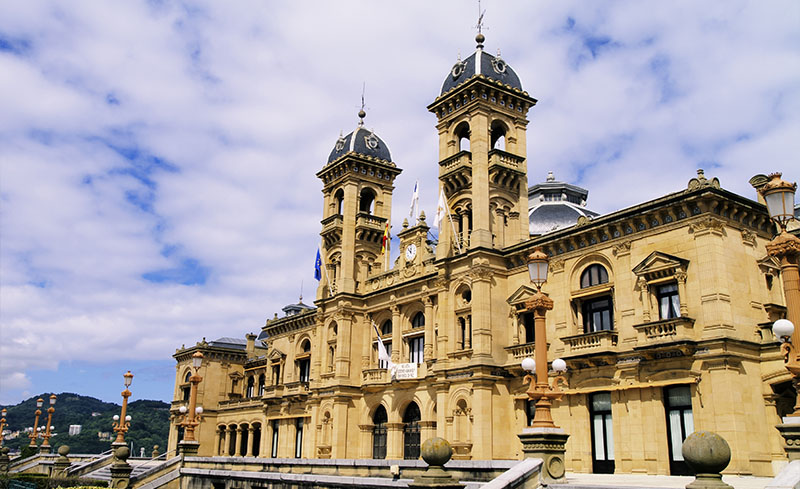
(406, 371)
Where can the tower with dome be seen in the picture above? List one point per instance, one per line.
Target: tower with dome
(657, 337)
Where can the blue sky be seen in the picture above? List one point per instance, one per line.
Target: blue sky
(157, 158)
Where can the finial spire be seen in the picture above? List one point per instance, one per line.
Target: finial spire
(361, 113)
(301, 291)
(480, 37)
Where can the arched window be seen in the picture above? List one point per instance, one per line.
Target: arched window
(379, 420)
(251, 384)
(418, 320)
(187, 387)
(304, 361)
(465, 332)
(243, 439)
(262, 384)
(367, 200)
(339, 198)
(256, 439)
(331, 356)
(386, 327)
(232, 440)
(411, 419)
(462, 135)
(594, 275)
(597, 311)
(498, 136)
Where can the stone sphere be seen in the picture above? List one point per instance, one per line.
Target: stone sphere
(123, 453)
(5, 450)
(436, 451)
(63, 450)
(706, 452)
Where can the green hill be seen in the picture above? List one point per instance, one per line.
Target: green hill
(149, 424)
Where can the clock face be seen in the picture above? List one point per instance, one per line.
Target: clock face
(411, 251)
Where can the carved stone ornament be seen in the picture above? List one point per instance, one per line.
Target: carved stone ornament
(701, 181)
(680, 276)
(707, 224)
(583, 220)
(784, 244)
(371, 140)
(557, 266)
(748, 237)
(539, 301)
(622, 248)
(480, 272)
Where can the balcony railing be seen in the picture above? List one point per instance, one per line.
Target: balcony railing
(508, 160)
(458, 160)
(597, 341)
(373, 376)
(520, 352)
(368, 220)
(664, 330)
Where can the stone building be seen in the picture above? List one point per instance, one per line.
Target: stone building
(662, 314)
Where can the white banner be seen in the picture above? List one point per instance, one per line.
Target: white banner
(406, 371)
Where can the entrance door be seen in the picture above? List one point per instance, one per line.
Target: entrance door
(411, 420)
(602, 433)
(680, 424)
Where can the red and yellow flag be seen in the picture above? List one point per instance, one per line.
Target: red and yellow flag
(385, 240)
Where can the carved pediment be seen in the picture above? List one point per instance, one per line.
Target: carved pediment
(521, 295)
(276, 355)
(769, 265)
(236, 376)
(659, 265)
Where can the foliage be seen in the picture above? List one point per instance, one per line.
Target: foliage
(42, 481)
(149, 424)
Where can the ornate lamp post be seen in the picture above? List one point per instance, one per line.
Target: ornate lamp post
(2, 424)
(123, 422)
(34, 434)
(543, 439)
(779, 196)
(191, 416)
(45, 446)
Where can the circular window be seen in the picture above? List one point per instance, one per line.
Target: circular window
(458, 69)
(499, 66)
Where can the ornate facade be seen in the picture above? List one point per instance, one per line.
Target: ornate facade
(662, 314)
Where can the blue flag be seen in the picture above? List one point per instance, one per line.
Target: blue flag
(318, 266)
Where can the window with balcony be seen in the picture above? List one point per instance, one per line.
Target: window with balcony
(416, 346)
(669, 304)
(594, 301)
(662, 287)
(251, 386)
(597, 315)
(465, 332)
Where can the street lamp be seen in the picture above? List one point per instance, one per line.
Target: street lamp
(779, 196)
(2, 424)
(122, 422)
(540, 389)
(33, 434)
(192, 414)
(45, 447)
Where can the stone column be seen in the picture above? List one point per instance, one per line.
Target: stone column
(394, 441)
(482, 426)
(343, 343)
(250, 432)
(365, 431)
(397, 334)
(441, 408)
(237, 449)
(680, 276)
(217, 438)
(339, 439)
(429, 346)
(644, 294)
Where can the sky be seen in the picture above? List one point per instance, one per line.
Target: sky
(158, 158)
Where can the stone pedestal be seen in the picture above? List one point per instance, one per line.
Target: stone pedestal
(790, 431)
(62, 463)
(188, 448)
(45, 449)
(548, 444)
(707, 454)
(436, 452)
(120, 469)
(4, 460)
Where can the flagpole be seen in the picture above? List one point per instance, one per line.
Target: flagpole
(325, 268)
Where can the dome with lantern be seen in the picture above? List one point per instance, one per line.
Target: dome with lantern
(481, 63)
(361, 141)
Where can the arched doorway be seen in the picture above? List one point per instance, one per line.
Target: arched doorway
(379, 420)
(411, 419)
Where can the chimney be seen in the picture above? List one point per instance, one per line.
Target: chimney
(251, 344)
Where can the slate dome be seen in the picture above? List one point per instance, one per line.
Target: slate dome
(554, 205)
(481, 62)
(362, 141)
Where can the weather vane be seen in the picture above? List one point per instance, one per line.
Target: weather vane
(361, 113)
(480, 17)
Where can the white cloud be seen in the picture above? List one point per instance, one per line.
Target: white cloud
(241, 104)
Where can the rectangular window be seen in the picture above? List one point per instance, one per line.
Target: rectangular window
(602, 433)
(669, 304)
(680, 424)
(304, 367)
(416, 346)
(598, 315)
(276, 374)
(298, 440)
(274, 438)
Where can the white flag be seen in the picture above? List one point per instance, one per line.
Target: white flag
(441, 209)
(414, 213)
(383, 355)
